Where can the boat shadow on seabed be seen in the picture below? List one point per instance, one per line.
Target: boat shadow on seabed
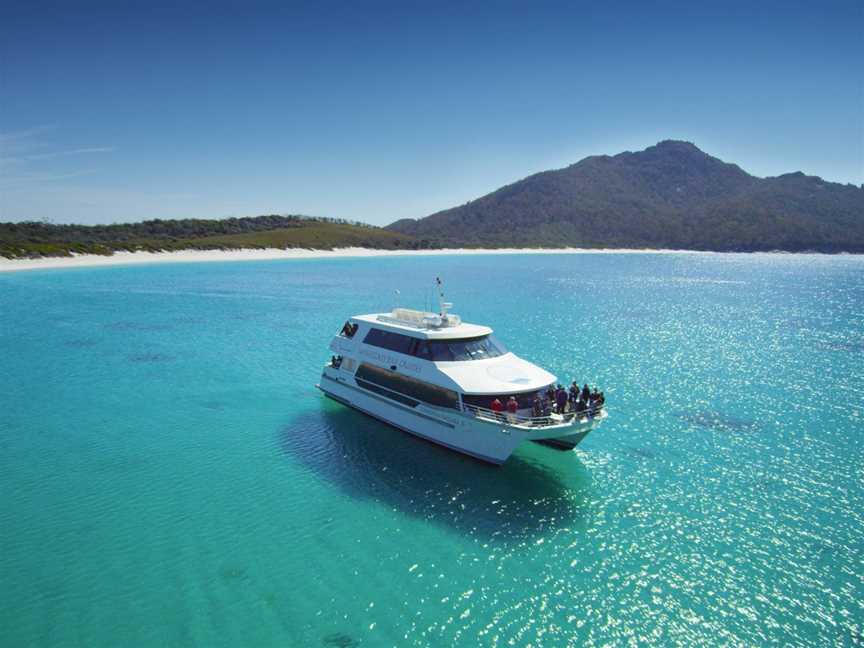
(520, 500)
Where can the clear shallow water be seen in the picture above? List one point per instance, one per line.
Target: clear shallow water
(170, 476)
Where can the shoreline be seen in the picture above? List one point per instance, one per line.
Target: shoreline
(272, 254)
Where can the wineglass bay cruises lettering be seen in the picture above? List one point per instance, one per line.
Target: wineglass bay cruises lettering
(442, 379)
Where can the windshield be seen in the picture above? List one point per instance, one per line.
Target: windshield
(471, 349)
(478, 348)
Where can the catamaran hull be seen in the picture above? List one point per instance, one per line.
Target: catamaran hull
(565, 443)
(450, 432)
(488, 441)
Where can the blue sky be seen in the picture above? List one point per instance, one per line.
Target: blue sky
(377, 111)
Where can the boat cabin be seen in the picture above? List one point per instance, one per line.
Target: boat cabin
(417, 357)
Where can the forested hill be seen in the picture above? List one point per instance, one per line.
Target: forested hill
(30, 239)
(671, 195)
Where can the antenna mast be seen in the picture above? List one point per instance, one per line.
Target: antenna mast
(443, 305)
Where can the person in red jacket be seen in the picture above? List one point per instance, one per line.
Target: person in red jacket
(497, 407)
(512, 406)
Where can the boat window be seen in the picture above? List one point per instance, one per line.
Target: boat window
(525, 399)
(471, 349)
(349, 329)
(399, 398)
(422, 350)
(478, 348)
(390, 341)
(407, 386)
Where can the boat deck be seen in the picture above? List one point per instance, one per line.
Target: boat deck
(534, 422)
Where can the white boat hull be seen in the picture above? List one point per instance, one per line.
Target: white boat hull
(486, 439)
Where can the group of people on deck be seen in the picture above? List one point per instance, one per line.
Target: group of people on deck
(512, 407)
(574, 400)
(555, 399)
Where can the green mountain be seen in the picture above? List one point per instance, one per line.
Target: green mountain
(671, 195)
(33, 239)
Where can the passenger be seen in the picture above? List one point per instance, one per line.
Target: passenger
(561, 400)
(581, 406)
(593, 405)
(574, 395)
(497, 407)
(537, 407)
(512, 408)
(601, 400)
(550, 393)
(586, 393)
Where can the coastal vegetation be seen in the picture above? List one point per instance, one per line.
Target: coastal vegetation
(35, 239)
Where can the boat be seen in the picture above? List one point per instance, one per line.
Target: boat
(434, 376)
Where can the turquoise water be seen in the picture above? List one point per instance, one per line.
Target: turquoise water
(170, 476)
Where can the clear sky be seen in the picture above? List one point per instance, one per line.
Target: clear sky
(374, 111)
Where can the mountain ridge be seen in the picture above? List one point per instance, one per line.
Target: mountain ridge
(670, 195)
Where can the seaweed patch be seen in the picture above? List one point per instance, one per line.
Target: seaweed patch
(234, 573)
(850, 346)
(81, 343)
(340, 640)
(150, 357)
(135, 326)
(643, 453)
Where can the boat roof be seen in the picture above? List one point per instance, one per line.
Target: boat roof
(445, 331)
(502, 375)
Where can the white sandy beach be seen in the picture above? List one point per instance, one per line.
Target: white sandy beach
(197, 256)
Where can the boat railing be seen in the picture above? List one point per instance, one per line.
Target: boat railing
(531, 421)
